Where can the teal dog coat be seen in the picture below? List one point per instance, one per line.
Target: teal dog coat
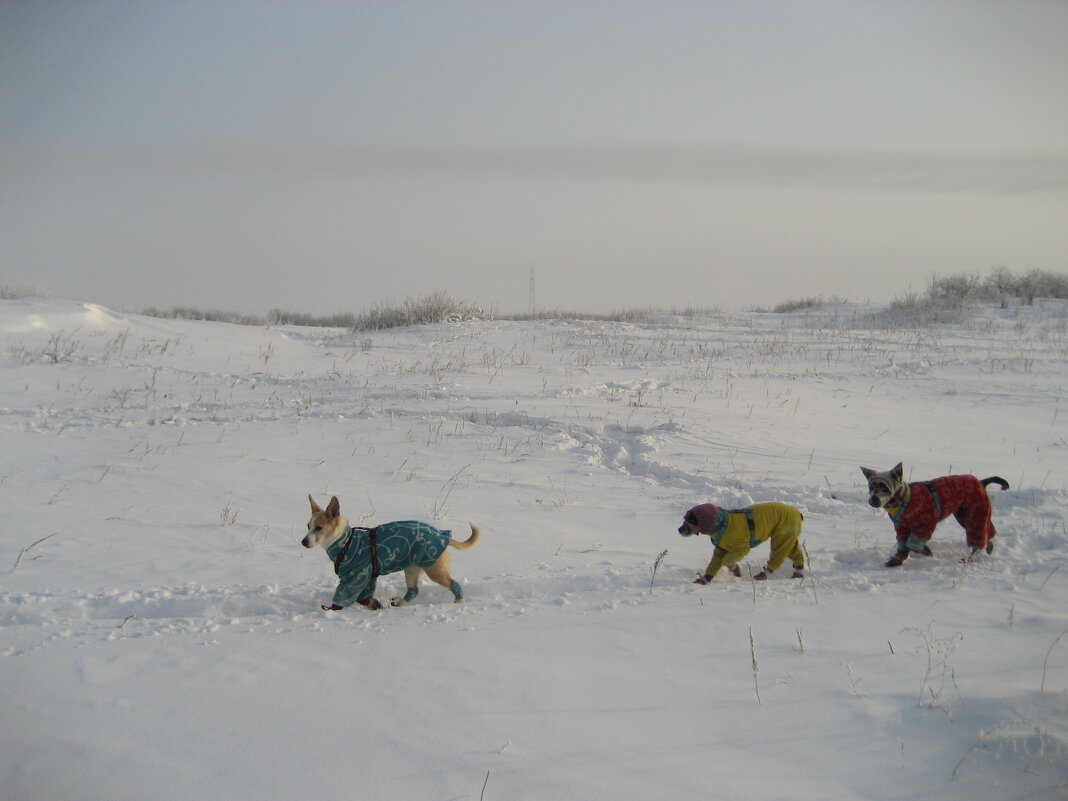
(362, 555)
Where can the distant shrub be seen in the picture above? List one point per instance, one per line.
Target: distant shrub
(274, 317)
(1002, 285)
(798, 304)
(339, 320)
(912, 308)
(697, 311)
(801, 304)
(949, 298)
(615, 316)
(637, 315)
(21, 291)
(212, 316)
(641, 314)
(956, 293)
(437, 307)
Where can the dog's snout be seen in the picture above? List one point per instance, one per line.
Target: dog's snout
(307, 541)
(874, 501)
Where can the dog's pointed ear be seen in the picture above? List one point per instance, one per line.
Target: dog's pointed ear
(333, 509)
(314, 505)
(867, 471)
(898, 472)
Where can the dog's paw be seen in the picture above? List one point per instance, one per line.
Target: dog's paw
(331, 608)
(896, 560)
(703, 580)
(370, 603)
(397, 602)
(735, 571)
(989, 550)
(761, 576)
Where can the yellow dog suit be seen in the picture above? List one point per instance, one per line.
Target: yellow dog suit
(735, 531)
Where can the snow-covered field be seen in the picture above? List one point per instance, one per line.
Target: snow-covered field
(160, 629)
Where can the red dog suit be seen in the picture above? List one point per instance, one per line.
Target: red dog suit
(932, 501)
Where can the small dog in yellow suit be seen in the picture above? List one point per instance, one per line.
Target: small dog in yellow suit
(735, 531)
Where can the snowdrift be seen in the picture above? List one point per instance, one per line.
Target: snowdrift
(160, 630)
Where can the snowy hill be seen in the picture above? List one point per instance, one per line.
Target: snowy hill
(160, 629)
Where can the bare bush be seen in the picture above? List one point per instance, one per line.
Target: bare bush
(637, 315)
(1040, 284)
(339, 320)
(953, 292)
(801, 304)
(21, 291)
(211, 315)
(437, 307)
(950, 299)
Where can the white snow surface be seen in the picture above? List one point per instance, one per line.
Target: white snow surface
(160, 628)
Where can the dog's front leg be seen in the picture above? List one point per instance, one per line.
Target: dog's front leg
(411, 580)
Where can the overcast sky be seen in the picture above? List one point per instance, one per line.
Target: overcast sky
(327, 156)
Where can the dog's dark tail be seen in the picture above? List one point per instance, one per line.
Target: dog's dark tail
(463, 546)
(996, 480)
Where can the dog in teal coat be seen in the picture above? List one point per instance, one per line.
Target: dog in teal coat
(360, 555)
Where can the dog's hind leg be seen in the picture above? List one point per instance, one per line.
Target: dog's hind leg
(978, 526)
(439, 573)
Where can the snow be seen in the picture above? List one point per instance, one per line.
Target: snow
(160, 629)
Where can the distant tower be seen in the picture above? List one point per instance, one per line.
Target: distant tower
(533, 306)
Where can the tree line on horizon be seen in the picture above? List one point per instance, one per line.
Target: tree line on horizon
(952, 293)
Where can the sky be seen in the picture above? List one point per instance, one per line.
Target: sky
(333, 156)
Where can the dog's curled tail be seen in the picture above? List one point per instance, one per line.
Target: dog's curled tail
(996, 480)
(463, 546)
